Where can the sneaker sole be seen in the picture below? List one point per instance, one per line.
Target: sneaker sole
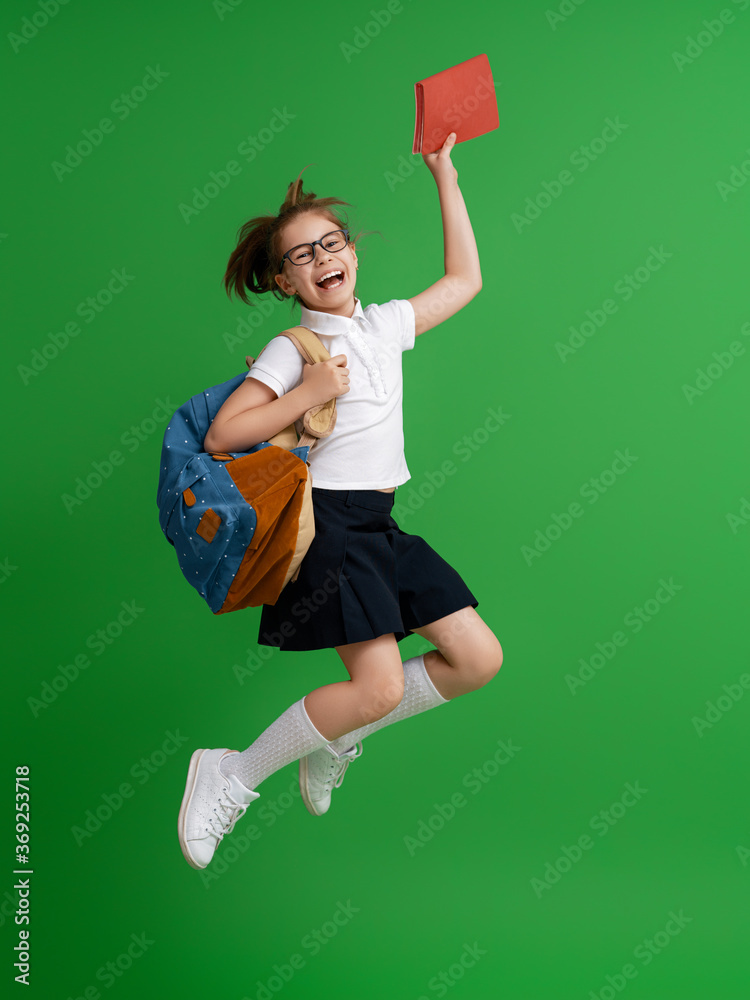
(186, 798)
(303, 789)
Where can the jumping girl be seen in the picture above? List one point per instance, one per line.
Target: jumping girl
(379, 583)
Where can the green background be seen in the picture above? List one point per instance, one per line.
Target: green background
(684, 845)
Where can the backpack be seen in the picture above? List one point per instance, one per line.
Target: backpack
(240, 522)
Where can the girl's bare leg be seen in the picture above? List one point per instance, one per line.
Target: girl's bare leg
(468, 654)
(375, 688)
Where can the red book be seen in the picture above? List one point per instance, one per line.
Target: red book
(460, 99)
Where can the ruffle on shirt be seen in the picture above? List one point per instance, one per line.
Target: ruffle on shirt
(364, 352)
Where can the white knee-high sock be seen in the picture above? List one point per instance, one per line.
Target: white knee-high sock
(419, 695)
(290, 737)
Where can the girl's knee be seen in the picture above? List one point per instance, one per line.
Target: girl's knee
(389, 693)
(377, 674)
(382, 696)
(480, 660)
(493, 660)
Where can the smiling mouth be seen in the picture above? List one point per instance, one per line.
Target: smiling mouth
(331, 281)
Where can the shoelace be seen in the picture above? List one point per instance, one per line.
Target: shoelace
(339, 766)
(232, 811)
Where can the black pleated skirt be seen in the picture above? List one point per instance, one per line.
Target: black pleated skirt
(362, 577)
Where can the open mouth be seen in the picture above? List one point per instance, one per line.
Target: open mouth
(331, 280)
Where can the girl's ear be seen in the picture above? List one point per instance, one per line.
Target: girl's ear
(283, 283)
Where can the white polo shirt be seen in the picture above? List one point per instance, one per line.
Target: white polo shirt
(365, 450)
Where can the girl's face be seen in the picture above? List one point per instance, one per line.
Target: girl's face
(304, 279)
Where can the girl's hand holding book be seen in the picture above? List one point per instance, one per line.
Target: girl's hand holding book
(439, 164)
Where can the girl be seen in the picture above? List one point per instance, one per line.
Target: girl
(364, 584)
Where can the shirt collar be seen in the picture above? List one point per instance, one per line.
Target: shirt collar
(327, 324)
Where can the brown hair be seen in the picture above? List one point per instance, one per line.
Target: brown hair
(255, 260)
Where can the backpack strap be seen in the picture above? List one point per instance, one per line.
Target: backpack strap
(320, 419)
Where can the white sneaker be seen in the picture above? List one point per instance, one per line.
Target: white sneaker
(211, 805)
(320, 772)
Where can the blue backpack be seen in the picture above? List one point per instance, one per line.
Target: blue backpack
(240, 522)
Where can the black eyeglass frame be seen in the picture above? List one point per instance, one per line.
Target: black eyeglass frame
(313, 245)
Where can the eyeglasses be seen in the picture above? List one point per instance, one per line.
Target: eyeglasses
(305, 252)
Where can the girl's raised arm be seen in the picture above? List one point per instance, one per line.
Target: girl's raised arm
(463, 278)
